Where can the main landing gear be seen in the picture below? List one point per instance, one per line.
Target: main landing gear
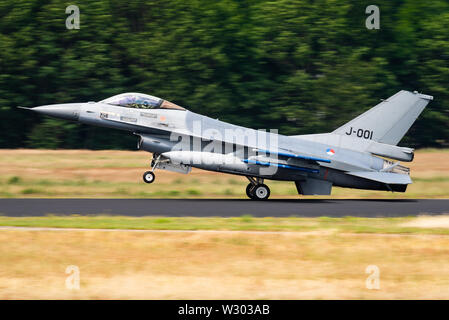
(256, 190)
(148, 176)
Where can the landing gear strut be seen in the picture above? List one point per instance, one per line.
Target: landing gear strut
(148, 176)
(256, 190)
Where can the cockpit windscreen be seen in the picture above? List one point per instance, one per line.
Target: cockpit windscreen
(140, 101)
(134, 100)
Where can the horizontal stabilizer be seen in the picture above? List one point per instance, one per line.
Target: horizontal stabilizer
(357, 144)
(385, 177)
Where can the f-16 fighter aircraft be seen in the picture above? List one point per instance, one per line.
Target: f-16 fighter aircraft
(362, 153)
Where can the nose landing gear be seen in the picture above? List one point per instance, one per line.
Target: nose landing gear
(257, 190)
(148, 176)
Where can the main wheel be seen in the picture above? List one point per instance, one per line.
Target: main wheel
(261, 192)
(148, 177)
(249, 189)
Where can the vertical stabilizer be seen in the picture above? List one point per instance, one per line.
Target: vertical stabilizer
(388, 121)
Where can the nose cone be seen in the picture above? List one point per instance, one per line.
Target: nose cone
(68, 111)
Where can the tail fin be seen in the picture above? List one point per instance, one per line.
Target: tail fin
(388, 121)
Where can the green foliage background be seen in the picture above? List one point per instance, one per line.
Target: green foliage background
(302, 66)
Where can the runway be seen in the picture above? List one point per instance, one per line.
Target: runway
(224, 207)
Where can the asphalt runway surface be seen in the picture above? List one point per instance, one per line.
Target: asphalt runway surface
(224, 207)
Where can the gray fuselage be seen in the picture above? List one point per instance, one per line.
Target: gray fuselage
(160, 131)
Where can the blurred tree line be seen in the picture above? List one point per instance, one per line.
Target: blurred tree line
(302, 66)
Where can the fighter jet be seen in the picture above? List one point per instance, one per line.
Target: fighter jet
(362, 153)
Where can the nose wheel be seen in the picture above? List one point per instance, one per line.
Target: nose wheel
(256, 190)
(148, 177)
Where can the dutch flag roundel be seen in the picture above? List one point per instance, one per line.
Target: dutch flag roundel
(330, 151)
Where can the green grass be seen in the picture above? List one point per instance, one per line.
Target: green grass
(14, 180)
(31, 191)
(194, 192)
(245, 222)
(117, 174)
(433, 179)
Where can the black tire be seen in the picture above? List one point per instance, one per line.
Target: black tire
(261, 192)
(248, 191)
(148, 177)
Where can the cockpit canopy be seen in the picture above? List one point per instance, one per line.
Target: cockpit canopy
(140, 101)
